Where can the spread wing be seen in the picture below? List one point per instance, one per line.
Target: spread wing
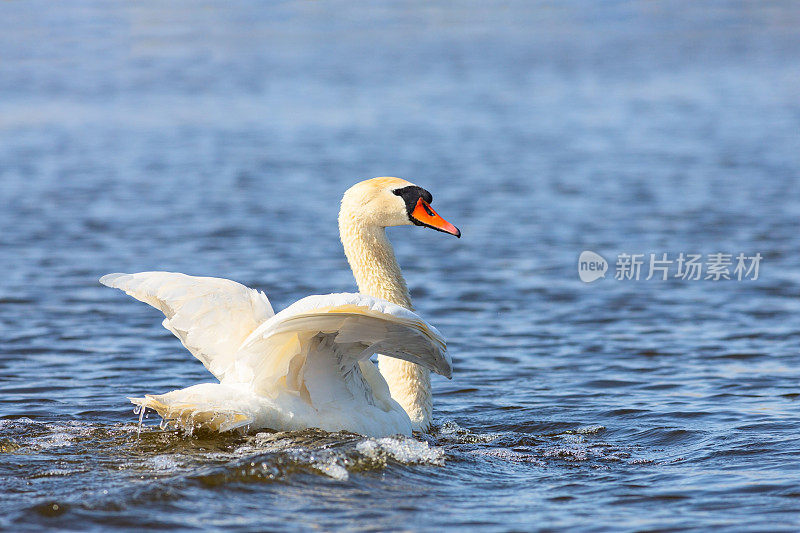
(313, 347)
(210, 316)
(335, 332)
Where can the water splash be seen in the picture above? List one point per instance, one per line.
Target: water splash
(274, 456)
(139, 410)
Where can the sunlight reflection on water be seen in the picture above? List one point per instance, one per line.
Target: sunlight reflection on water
(217, 139)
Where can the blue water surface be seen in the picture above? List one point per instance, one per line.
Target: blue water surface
(216, 138)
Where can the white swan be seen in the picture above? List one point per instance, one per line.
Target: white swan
(309, 365)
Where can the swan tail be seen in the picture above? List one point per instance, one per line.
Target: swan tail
(200, 407)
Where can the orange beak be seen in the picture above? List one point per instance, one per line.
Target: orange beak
(425, 216)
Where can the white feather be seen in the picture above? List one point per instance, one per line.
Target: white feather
(211, 316)
(307, 366)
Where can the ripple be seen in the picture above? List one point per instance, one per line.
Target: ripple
(279, 455)
(218, 141)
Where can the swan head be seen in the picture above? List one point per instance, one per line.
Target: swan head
(386, 201)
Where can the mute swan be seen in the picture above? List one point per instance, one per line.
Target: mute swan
(309, 365)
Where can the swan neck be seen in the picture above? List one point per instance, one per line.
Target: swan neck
(374, 265)
(377, 274)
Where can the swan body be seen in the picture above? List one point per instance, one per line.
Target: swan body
(308, 365)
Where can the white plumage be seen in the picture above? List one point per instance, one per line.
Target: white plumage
(309, 365)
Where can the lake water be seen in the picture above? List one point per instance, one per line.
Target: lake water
(216, 138)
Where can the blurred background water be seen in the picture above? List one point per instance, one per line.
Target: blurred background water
(216, 138)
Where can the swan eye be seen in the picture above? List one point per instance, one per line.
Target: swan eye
(411, 194)
(422, 214)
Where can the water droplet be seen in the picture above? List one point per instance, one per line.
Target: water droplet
(142, 409)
